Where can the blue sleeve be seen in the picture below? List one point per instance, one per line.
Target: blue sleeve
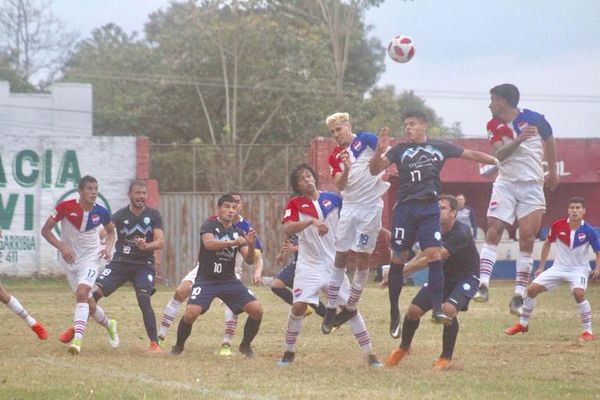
(368, 138)
(105, 217)
(539, 121)
(594, 242)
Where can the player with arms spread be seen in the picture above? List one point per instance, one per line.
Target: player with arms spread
(220, 241)
(417, 213)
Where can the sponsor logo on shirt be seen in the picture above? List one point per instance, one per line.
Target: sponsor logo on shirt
(95, 218)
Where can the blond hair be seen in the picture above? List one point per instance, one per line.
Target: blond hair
(337, 118)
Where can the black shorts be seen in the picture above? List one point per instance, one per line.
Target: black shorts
(287, 274)
(459, 295)
(117, 273)
(233, 293)
(416, 221)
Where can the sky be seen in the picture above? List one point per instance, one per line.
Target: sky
(550, 49)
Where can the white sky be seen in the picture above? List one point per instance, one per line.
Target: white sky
(550, 49)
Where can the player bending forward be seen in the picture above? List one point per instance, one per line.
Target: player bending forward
(314, 215)
(573, 237)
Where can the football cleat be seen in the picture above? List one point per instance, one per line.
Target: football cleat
(395, 357)
(287, 359)
(328, 319)
(67, 335)
(246, 350)
(308, 311)
(442, 364)
(343, 316)
(154, 348)
(161, 341)
(373, 361)
(175, 350)
(482, 295)
(75, 347)
(40, 331)
(113, 336)
(225, 350)
(395, 327)
(516, 305)
(438, 317)
(587, 337)
(516, 328)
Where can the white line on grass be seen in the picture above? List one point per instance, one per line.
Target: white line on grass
(151, 380)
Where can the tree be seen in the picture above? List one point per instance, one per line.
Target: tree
(385, 108)
(34, 41)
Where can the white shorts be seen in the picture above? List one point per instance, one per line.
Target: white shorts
(310, 280)
(82, 272)
(358, 228)
(512, 200)
(577, 278)
(191, 276)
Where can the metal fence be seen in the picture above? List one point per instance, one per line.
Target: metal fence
(212, 168)
(184, 213)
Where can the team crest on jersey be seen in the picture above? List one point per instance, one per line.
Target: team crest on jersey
(522, 125)
(147, 220)
(95, 218)
(466, 287)
(493, 205)
(327, 203)
(297, 292)
(437, 236)
(581, 236)
(357, 145)
(235, 235)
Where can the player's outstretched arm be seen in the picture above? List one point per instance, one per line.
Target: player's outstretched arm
(292, 227)
(504, 149)
(479, 156)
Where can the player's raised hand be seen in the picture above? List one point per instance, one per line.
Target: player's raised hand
(251, 236)
(383, 142)
(141, 243)
(527, 132)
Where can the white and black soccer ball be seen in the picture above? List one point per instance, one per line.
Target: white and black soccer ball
(401, 49)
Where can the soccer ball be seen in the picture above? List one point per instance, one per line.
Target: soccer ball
(401, 49)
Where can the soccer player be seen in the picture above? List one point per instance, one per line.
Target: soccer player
(80, 254)
(521, 139)
(140, 234)
(573, 238)
(465, 214)
(461, 271)
(360, 218)
(313, 216)
(13, 305)
(220, 242)
(284, 282)
(184, 289)
(417, 212)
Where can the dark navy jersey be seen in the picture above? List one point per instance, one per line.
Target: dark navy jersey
(131, 227)
(419, 167)
(218, 264)
(463, 261)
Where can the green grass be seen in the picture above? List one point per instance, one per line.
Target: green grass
(548, 362)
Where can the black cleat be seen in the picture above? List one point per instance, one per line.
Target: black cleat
(343, 316)
(287, 359)
(482, 295)
(328, 319)
(516, 305)
(175, 350)
(246, 350)
(395, 327)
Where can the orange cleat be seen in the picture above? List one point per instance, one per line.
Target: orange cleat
(68, 335)
(516, 328)
(442, 364)
(587, 337)
(154, 348)
(395, 357)
(40, 331)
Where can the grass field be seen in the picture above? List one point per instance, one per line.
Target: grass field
(549, 362)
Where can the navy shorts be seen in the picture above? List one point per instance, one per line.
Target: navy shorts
(233, 293)
(416, 221)
(117, 273)
(459, 295)
(287, 274)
